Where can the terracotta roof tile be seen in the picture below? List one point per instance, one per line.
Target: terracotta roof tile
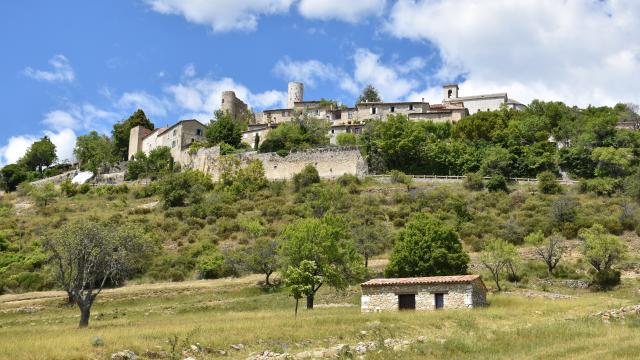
(422, 280)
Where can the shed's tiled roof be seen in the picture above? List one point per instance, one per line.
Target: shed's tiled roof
(422, 280)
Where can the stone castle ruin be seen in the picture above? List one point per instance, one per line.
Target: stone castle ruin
(330, 162)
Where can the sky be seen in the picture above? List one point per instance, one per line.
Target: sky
(72, 66)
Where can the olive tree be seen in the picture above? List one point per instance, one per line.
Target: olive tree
(549, 249)
(321, 250)
(602, 250)
(262, 257)
(496, 256)
(86, 256)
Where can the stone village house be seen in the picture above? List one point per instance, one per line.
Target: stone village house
(423, 293)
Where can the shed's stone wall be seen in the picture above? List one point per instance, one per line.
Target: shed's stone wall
(456, 296)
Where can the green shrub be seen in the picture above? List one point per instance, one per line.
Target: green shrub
(473, 181)
(211, 266)
(84, 188)
(176, 188)
(309, 175)
(348, 179)
(600, 186)
(497, 183)
(68, 188)
(606, 279)
(346, 139)
(548, 184)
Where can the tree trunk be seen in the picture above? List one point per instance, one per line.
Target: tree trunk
(296, 312)
(310, 302)
(85, 312)
(266, 281)
(70, 299)
(366, 261)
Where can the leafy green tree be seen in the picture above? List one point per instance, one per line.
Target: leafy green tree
(224, 130)
(122, 131)
(602, 250)
(548, 184)
(427, 247)
(242, 180)
(322, 250)
(550, 249)
(611, 161)
(87, 255)
(481, 126)
(175, 189)
(369, 231)
(93, 151)
(369, 94)
(346, 139)
(303, 132)
(309, 175)
(496, 256)
(11, 176)
(262, 257)
(302, 280)
(40, 154)
(497, 161)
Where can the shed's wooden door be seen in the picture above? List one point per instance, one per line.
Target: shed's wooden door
(439, 301)
(407, 301)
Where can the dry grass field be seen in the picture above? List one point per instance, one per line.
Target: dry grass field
(149, 319)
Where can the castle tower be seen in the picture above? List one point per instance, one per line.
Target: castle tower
(136, 135)
(295, 94)
(450, 91)
(228, 103)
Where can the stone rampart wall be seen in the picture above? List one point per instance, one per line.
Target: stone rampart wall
(330, 162)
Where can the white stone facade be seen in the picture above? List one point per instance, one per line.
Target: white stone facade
(455, 295)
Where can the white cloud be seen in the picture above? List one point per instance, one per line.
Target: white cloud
(199, 98)
(61, 72)
(222, 15)
(152, 105)
(309, 72)
(64, 140)
(581, 52)
(386, 78)
(352, 11)
(80, 117)
(59, 119)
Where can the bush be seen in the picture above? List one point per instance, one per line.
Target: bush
(548, 184)
(68, 188)
(606, 279)
(211, 266)
(176, 188)
(601, 186)
(497, 183)
(346, 139)
(309, 175)
(473, 182)
(348, 179)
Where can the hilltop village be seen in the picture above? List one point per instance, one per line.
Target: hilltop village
(342, 119)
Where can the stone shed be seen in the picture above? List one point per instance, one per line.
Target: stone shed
(423, 293)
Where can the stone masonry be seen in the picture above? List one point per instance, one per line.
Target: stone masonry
(458, 292)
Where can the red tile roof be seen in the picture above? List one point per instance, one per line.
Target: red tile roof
(422, 280)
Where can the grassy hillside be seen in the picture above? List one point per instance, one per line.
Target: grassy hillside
(223, 222)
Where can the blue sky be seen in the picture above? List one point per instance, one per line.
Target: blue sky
(73, 66)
